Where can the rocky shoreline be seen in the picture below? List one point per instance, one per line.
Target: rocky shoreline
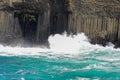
(33, 21)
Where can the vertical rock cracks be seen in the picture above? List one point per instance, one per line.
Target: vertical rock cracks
(32, 21)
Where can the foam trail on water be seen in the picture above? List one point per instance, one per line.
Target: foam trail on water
(17, 51)
(59, 44)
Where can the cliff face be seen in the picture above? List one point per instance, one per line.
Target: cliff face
(99, 19)
(32, 21)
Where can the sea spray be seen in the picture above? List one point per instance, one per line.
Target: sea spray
(69, 58)
(59, 44)
(75, 44)
(69, 44)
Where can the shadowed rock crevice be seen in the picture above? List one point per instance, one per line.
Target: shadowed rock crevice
(28, 24)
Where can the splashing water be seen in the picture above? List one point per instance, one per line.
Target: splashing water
(69, 58)
(71, 44)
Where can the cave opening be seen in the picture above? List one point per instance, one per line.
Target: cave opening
(28, 23)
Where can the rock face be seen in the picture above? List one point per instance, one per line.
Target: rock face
(32, 21)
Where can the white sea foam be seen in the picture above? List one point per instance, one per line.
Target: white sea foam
(59, 44)
(68, 44)
(16, 51)
(76, 44)
(22, 78)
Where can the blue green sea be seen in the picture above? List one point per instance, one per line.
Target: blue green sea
(68, 58)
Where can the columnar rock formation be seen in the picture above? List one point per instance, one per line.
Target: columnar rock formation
(32, 21)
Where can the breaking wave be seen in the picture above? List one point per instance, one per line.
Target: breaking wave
(68, 58)
(59, 44)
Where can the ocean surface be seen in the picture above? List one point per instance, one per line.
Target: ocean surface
(69, 58)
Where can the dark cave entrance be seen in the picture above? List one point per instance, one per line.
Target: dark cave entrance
(28, 23)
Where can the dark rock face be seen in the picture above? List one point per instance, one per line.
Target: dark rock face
(32, 21)
(58, 17)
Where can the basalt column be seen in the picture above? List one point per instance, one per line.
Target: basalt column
(10, 31)
(58, 17)
(100, 23)
(43, 27)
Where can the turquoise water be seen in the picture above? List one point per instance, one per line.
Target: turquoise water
(69, 58)
(93, 66)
